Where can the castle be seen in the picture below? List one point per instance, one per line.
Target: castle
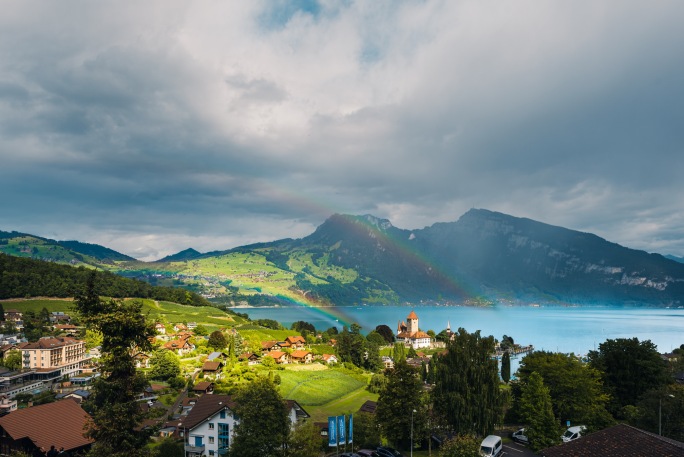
(409, 333)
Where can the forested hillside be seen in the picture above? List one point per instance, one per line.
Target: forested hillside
(20, 277)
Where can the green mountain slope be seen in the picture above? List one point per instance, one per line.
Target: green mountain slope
(482, 257)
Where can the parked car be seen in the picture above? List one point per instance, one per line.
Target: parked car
(573, 433)
(367, 453)
(519, 436)
(386, 451)
(491, 446)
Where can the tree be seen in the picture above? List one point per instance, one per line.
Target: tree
(662, 409)
(461, 446)
(170, 447)
(165, 365)
(13, 360)
(264, 423)
(366, 431)
(506, 367)
(386, 333)
(575, 387)
(401, 395)
(2, 312)
(303, 325)
(466, 393)
(536, 413)
(217, 340)
(305, 441)
(629, 369)
(116, 415)
(399, 352)
(201, 330)
(376, 338)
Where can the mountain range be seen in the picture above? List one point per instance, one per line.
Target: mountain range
(483, 257)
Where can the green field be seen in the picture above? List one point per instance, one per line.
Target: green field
(324, 391)
(317, 384)
(36, 305)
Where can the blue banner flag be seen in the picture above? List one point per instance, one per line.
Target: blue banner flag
(340, 429)
(332, 431)
(350, 435)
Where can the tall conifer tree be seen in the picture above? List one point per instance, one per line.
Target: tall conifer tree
(466, 393)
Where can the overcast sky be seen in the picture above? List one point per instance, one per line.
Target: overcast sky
(150, 127)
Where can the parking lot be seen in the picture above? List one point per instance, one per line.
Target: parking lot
(514, 449)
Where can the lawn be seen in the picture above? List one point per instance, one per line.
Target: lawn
(319, 385)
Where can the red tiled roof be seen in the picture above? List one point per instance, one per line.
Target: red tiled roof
(49, 343)
(621, 440)
(299, 354)
(277, 354)
(268, 344)
(412, 315)
(60, 424)
(295, 339)
(211, 366)
(204, 385)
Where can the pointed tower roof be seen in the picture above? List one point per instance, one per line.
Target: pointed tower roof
(448, 326)
(412, 315)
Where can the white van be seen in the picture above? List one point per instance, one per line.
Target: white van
(573, 433)
(491, 446)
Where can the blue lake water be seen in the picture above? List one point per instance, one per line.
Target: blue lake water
(559, 329)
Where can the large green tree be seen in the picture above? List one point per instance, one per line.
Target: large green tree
(400, 396)
(264, 424)
(536, 413)
(305, 441)
(217, 340)
(575, 387)
(466, 394)
(116, 413)
(629, 369)
(165, 365)
(13, 360)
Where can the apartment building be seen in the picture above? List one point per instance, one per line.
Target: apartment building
(65, 353)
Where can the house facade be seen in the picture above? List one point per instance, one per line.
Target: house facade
(209, 426)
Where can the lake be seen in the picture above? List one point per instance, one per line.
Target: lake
(558, 329)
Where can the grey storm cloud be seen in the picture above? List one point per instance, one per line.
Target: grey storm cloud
(154, 127)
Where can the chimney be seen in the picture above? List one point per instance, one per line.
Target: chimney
(29, 404)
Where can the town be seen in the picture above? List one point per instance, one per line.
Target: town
(196, 379)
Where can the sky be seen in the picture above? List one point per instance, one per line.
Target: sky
(151, 127)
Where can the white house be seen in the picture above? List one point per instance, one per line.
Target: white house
(210, 424)
(208, 429)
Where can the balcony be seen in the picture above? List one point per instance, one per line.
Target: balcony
(194, 449)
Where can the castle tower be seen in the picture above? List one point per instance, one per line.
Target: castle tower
(412, 322)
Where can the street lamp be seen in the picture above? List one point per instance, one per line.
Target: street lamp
(412, 431)
(660, 414)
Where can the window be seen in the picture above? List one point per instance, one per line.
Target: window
(211, 426)
(222, 414)
(211, 440)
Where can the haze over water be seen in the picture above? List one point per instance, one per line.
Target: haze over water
(559, 329)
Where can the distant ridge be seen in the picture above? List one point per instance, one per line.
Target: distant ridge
(187, 254)
(675, 258)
